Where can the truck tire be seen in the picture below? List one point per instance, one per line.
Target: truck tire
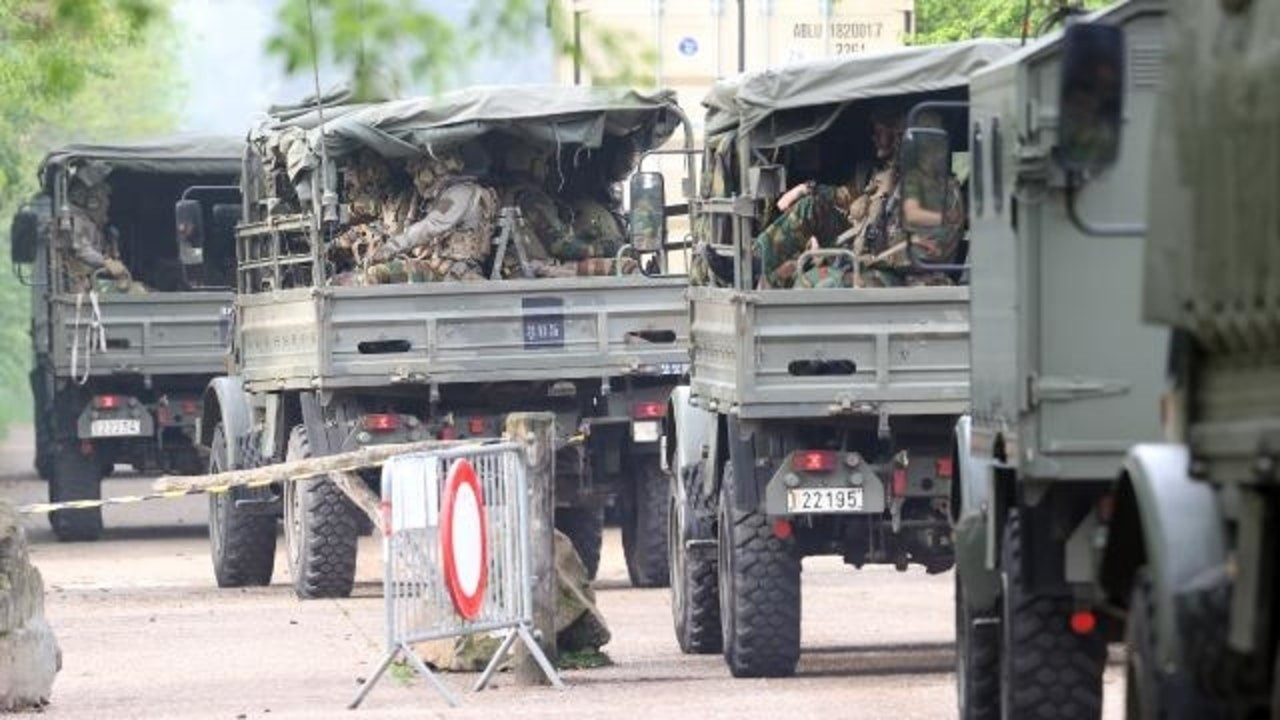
(977, 660)
(320, 531)
(644, 524)
(759, 579)
(242, 544)
(75, 477)
(584, 526)
(1149, 693)
(1046, 670)
(695, 591)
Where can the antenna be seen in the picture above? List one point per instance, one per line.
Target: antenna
(328, 198)
(1026, 21)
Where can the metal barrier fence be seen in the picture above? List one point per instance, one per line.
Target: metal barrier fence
(456, 556)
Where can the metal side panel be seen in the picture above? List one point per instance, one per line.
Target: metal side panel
(280, 339)
(491, 331)
(181, 333)
(818, 353)
(1097, 370)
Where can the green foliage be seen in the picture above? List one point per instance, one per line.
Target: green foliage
(69, 69)
(382, 42)
(939, 21)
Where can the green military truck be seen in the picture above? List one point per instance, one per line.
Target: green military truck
(119, 365)
(333, 351)
(817, 421)
(1066, 377)
(1191, 528)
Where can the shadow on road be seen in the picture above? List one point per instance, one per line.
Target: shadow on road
(931, 658)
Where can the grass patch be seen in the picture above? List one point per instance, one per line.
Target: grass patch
(402, 672)
(582, 660)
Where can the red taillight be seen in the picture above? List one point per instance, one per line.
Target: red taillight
(648, 410)
(782, 528)
(899, 481)
(944, 468)
(814, 461)
(447, 433)
(381, 422)
(476, 426)
(1083, 622)
(108, 402)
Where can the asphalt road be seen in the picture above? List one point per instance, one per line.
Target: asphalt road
(145, 634)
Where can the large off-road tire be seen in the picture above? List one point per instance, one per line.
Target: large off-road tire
(1046, 670)
(320, 530)
(75, 477)
(759, 581)
(584, 526)
(695, 590)
(1149, 693)
(977, 660)
(644, 524)
(242, 544)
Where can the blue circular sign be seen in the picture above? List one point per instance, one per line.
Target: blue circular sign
(688, 46)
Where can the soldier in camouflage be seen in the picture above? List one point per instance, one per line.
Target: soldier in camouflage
(90, 263)
(816, 216)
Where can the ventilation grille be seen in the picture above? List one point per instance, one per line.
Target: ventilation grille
(1145, 62)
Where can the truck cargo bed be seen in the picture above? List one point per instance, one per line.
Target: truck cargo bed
(485, 331)
(172, 333)
(819, 353)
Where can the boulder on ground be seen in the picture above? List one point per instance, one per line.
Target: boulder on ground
(29, 654)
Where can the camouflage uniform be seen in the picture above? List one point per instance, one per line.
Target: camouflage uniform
(713, 183)
(823, 213)
(451, 243)
(89, 262)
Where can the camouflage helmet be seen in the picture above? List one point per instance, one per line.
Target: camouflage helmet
(929, 119)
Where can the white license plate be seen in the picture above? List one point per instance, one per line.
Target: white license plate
(824, 500)
(645, 431)
(115, 428)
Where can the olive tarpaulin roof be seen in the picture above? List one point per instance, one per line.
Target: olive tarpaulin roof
(545, 114)
(823, 88)
(187, 154)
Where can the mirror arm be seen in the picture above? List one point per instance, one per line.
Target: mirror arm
(1089, 228)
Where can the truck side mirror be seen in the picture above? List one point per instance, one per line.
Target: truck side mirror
(1091, 97)
(189, 220)
(648, 221)
(926, 172)
(24, 233)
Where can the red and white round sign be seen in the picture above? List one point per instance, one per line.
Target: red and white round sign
(464, 539)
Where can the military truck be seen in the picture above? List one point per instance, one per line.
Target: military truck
(1191, 525)
(332, 353)
(817, 421)
(119, 366)
(1065, 374)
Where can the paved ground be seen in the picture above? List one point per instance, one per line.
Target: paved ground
(145, 634)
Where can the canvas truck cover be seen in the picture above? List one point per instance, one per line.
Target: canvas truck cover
(574, 115)
(759, 102)
(185, 154)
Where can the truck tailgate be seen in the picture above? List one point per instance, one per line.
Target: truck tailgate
(490, 331)
(176, 333)
(816, 353)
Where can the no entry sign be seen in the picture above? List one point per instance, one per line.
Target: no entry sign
(464, 540)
